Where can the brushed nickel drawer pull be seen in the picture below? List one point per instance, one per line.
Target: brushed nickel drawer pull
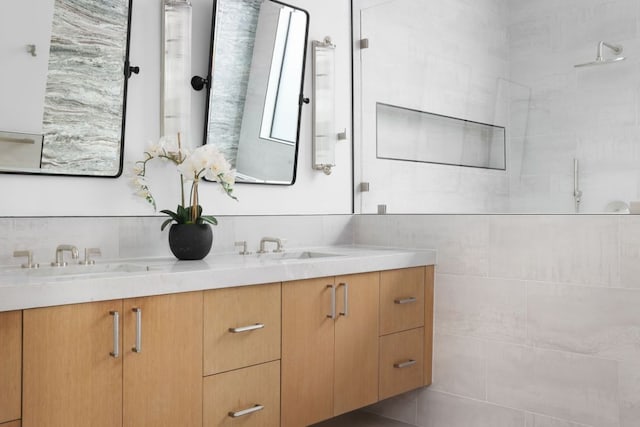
(246, 328)
(116, 334)
(406, 364)
(345, 313)
(138, 347)
(332, 314)
(247, 411)
(405, 300)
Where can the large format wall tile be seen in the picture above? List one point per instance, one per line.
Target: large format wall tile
(460, 366)
(563, 385)
(585, 250)
(444, 410)
(480, 307)
(536, 420)
(520, 247)
(588, 320)
(630, 251)
(402, 408)
(629, 390)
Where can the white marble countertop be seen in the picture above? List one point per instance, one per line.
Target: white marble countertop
(137, 277)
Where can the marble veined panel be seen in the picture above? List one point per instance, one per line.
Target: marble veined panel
(85, 87)
(236, 24)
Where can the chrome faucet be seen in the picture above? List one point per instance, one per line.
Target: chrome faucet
(59, 262)
(278, 242)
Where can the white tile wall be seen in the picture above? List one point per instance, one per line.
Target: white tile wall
(537, 318)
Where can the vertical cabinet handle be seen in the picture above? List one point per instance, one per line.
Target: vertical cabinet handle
(247, 411)
(116, 334)
(345, 313)
(138, 347)
(332, 315)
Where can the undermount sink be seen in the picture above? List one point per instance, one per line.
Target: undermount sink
(78, 270)
(302, 255)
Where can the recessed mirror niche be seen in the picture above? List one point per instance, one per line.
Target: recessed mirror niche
(63, 94)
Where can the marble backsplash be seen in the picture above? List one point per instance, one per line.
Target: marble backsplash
(132, 237)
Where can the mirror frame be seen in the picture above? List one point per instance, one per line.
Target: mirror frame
(127, 71)
(199, 83)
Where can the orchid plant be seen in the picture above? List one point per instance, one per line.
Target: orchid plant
(204, 162)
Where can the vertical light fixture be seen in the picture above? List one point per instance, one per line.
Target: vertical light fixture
(176, 70)
(324, 131)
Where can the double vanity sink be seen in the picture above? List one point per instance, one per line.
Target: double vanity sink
(22, 288)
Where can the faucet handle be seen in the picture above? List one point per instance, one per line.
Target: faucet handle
(87, 256)
(280, 245)
(29, 255)
(242, 243)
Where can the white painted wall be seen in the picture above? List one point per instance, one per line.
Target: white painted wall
(22, 195)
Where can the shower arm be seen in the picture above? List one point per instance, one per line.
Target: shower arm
(615, 48)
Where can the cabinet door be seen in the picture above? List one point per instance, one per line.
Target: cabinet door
(307, 352)
(163, 361)
(248, 397)
(356, 341)
(10, 365)
(241, 327)
(70, 377)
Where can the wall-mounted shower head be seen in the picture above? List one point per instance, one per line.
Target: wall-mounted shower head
(600, 59)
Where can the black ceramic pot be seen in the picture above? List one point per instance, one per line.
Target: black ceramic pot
(190, 241)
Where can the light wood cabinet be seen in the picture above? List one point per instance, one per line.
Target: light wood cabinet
(329, 347)
(10, 365)
(163, 381)
(401, 362)
(248, 397)
(401, 300)
(242, 330)
(241, 327)
(72, 377)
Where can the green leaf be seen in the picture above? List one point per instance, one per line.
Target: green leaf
(164, 224)
(208, 219)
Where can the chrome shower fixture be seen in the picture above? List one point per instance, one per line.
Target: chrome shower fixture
(600, 59)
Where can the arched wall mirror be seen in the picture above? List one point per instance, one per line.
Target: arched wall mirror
(254, 99)
(63, 87)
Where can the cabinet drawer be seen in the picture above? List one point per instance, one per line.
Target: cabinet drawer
(11, 424)
(241, 327)
(401, 300)
(401, 362)
(248, 397)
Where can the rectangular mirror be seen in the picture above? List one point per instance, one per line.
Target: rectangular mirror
(254, 101)
(63, 95)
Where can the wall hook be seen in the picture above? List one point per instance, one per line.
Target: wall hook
(31, 48)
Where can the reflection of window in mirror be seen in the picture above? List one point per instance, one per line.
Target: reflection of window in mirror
(281, 103)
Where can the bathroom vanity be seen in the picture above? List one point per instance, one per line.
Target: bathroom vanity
(278, 339)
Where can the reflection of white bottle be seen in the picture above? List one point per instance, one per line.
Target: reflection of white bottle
(176, 66)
